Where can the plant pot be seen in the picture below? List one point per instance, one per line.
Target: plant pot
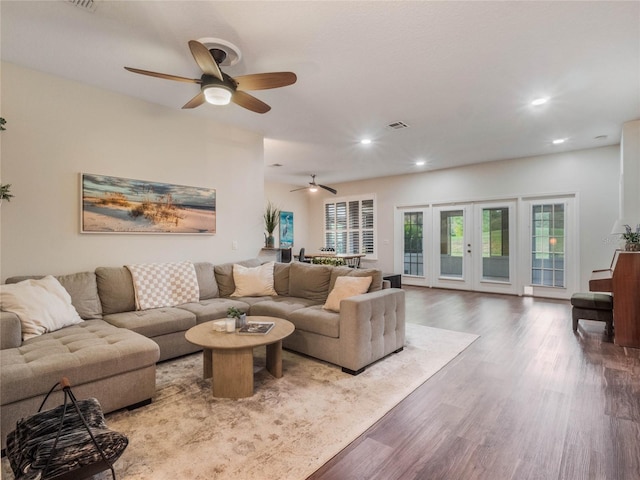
(241, 321)
(270, 241)
(632, 247)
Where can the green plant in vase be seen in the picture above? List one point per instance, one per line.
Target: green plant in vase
(240, 317)
(632, 238)
(271, 221)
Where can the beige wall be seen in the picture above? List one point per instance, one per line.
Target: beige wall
(57, 128)
(297, 202)
(592, 175)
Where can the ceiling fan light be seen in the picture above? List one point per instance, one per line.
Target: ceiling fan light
(217, 94)
(313, 188)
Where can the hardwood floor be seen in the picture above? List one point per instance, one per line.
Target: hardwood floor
(528, 400)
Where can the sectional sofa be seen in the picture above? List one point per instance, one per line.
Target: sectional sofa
(111, 354)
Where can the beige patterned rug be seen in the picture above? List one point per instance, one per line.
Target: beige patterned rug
(287, 430)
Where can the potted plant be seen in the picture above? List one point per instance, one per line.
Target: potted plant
(271, 221)
(632, 238)
(240, 317)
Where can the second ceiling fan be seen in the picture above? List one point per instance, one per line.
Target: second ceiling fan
(218, 88)
(313, 186)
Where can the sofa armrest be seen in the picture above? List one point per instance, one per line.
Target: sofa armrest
(371, 326)
(10, 331)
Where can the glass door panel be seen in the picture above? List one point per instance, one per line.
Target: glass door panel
(452, 227)
(495, 242)
(451, 243)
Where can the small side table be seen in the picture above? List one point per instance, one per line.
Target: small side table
(394, 278)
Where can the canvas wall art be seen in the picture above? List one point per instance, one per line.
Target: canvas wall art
(286, 229)
(123, 205)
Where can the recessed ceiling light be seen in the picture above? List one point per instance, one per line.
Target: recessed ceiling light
(365, 141)
(539, 101)
(558, 141)
(420, 163)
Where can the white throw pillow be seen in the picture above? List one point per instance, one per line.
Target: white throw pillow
(253, 282)
(41, 305)
(346, 287)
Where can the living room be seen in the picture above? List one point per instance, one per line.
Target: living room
(60, 125)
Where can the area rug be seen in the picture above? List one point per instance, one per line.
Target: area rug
(287, 430)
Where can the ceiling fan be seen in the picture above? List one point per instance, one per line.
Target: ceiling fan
(313, 186)
(218, 88)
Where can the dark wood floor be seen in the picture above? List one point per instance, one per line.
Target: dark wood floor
(528, 400)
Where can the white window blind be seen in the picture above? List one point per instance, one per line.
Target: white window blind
(350, 225)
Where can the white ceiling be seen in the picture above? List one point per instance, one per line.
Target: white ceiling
(460, 74)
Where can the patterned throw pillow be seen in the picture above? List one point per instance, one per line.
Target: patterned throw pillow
(164, 284)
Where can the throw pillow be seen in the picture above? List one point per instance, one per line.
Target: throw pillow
(42, 305)
(346, 287)
(253, 282)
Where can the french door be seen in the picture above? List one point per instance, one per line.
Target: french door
(475, 247)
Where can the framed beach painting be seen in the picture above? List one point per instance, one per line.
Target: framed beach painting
(286, 229)
(123, 205)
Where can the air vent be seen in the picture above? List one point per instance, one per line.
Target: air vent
(88, 5)
(398, 125)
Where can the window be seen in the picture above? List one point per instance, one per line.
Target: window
(349, 225)
(547, 245)
(413, 240)
(495, 232)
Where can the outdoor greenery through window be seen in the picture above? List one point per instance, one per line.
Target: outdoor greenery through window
(413, 240)
(495, 232)
(548, 245)
(452, 233)
(349, 225)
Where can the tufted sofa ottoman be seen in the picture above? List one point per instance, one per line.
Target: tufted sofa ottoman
(114, 365)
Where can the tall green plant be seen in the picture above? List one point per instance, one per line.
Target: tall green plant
(271, 218)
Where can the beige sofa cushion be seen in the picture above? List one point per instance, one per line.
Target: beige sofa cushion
(83, 289)
(346, 287)
(281, 278)
(253, 281)
(43, 305)
(376, 276)
(154, 322)
(280, 307)
(309, 281)
(206, 280)
(84, 353)
(115, 287)
(315, 319)
(224, 275)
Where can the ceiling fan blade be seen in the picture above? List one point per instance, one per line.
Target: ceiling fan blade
(204, 59)
(298, 189)
(195, 101)
(163, 75)
(264, 81)
(249, 102)
(329, 189)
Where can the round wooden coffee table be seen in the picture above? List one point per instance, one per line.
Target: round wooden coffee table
(228, 357)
